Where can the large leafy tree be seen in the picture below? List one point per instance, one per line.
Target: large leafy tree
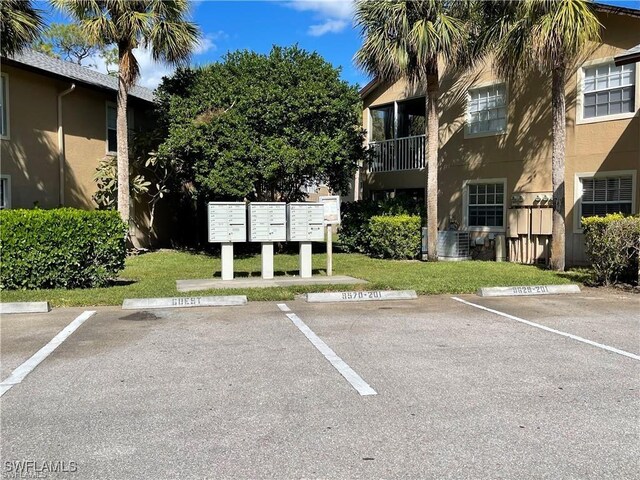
(410, 39)
(158, 25)
(548, 36)
(20, 25)
(70, 42)
(260, 127)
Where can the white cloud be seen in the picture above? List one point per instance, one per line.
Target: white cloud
(334, 15)
(329, 26)
(331, 9)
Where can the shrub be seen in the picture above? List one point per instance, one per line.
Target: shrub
(612, 244)
(61, 248)
(354, 227)
(394, 236)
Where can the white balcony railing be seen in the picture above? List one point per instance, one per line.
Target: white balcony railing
(398, 154)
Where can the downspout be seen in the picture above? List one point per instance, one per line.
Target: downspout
(61, 152)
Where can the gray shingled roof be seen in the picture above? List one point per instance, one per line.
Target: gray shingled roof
(73, 71)
(628, 56)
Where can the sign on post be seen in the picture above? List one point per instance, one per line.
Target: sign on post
(331, 217)
(331, 209)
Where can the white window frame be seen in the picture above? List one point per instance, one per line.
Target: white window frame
(577, 192)
(7, 191)
(480, 86)
(465, 205)
(580, 120)
(5, 106)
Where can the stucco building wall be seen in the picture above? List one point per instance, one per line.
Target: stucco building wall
(522, 154)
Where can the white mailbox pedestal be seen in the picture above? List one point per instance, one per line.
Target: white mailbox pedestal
(306, 225)
(267, 224)
(227, 224)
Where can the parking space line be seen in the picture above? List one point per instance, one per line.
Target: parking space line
(345, 370)
(552, 330)
(27, 367)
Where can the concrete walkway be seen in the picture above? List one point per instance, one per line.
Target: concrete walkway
(212, 283)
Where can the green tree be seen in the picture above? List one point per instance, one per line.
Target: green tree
(158, 25)
(548, 36)
(409, 39)
(69, 42)
(261, 127)
(20, 25)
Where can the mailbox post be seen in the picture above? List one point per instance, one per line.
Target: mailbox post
(227, 224)
(331, 217)
(306, 225)
(267, 224)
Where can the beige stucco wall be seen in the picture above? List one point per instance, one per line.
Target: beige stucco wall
(522, 155)
(30, 154)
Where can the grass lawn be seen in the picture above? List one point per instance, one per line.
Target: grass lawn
(155, 274)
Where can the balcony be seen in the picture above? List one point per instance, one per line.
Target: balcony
(396, 136)
(398, 154)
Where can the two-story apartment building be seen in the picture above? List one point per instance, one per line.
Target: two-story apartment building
(57, 121)
(495, 145)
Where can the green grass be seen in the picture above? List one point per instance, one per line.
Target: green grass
(155, 274)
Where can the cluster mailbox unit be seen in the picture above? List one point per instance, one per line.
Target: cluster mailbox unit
(227, 225)
(306, 225)
(267, 224)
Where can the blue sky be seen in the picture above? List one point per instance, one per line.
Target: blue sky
(324, 26)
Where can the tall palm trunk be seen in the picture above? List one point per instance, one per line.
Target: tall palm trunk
(557, 167)
(432, 162)
(123, 146)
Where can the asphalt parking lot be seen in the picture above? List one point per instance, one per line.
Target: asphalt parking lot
(241, 392)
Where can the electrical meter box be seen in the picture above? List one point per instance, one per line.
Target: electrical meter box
(227, 222)
(267, 222)
(306, 222)
(541, 221)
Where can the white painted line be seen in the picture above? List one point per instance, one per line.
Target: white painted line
(27, 367)
(345, 370)
(527, 290)
(24, 307)
(183, 302)
(552, 330)
(362, 296)
(284, 307)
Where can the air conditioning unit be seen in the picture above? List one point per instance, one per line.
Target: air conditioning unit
(453, 245)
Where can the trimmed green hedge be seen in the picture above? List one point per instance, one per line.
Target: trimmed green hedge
(612, 244)
(61, 248)
(354, 228)
(395, 236)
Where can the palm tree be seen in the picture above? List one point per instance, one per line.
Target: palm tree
(408, 39)
(20, 25)
(159, 25)
(548, 36)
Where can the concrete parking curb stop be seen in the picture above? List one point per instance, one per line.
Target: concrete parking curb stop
(526, 290)
(183, 302)
(24, 307)
(362, 296)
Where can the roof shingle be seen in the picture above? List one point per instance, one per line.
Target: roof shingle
(76, 72)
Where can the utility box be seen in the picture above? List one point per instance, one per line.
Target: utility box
(517, 222)
(227, 222)
(267, 222)
(541, 221)
(306, 222)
